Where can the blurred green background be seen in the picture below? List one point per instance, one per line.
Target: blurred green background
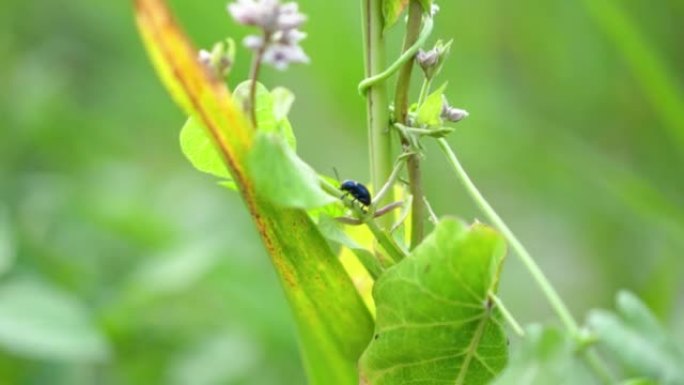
(120, 264)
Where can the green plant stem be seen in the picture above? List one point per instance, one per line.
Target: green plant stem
(415, 16)
(406, 56)
(379, 138)
(507, 315)
(598, 366)
(254, 76)
(406, 208)
(433, 217)
(387, 243)
(424, 91)
(549, 291)
(386, 188)
(373, 266)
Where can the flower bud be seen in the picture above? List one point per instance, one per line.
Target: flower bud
(431, 61)
(427, 59)
(221, 58)
(452, 114)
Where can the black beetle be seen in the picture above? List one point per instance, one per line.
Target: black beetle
(357, 190)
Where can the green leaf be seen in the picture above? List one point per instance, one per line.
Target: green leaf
(545, 356)
(272, 109)
(435, 324)
(264, 104)
(282, 102)
(38, 321)
(391, 10)
(200, 150)
(282, 177)
(638, 342)
(429, 113)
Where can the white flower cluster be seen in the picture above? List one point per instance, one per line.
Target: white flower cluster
(279, 23)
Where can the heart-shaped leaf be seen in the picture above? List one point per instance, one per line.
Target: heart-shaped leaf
(435, 323)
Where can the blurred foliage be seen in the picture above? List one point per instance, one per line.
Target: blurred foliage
(634, 337)
(631, 338)
(135, 269)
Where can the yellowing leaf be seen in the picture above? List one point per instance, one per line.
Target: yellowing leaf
(333, 324)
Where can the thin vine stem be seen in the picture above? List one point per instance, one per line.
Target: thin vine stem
(507, 315)
(393, 250)
(406, 56)
(561, 309)
(399, 165)
(379, 138)
(549, 291)
(424, 91)
(406, 209)
(433, 217)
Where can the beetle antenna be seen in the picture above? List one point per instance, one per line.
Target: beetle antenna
(337, 176)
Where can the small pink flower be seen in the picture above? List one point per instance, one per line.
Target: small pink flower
(279, 24)
(452, 114)
(280, 56)
(268, 15)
